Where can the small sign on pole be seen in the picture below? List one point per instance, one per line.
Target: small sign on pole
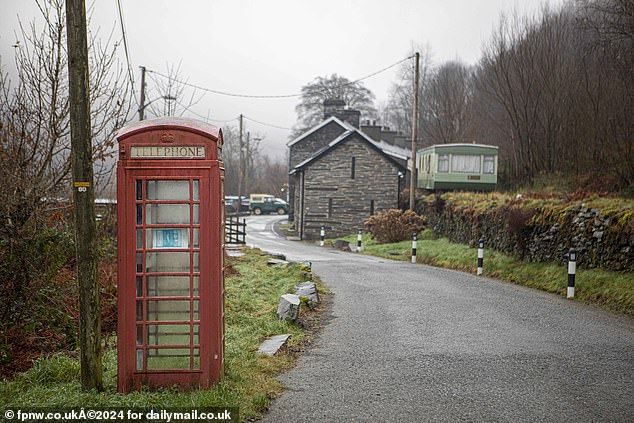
(414, 248)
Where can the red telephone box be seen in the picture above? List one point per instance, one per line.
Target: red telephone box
(170, 181)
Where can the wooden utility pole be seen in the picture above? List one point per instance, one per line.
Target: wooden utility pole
(247, 157)
(414, 176)
(142, 99)
(83, 196)
(240, 169)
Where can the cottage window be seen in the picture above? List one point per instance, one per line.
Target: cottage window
(371, 207)
(465, 163)
(428, 164)
(489, 164)
(330, 207)
(443, 163)
(352, 169)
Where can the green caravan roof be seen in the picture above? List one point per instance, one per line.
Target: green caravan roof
(460, 148)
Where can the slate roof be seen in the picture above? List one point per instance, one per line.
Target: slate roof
(314, 129)
(339, 140)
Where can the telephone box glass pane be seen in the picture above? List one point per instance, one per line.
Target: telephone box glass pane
(157, 214)
(139, 286)
(167, 262)
(167, 190)
(139, 310)
(163, 359)
(161, 335)
(139, 262)
(196, 291)
(139, 334)
(170, 310)
(167, 238)
(196, 335)
(196, 261)
(139, 190)
(196, 217)
(139, 359)
(196, 238)
(196, 310)
(196, 190)
(196, 358)
(139, 239)
(168, 286)
(139, 214)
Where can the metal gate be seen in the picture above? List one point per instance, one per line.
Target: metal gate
(235, 231)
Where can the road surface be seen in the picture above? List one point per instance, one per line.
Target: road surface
(411, 343)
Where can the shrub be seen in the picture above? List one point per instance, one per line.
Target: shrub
(394, 225)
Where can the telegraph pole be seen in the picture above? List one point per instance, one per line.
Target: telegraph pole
(83, 196)
(240, 169)
(142, 99)
(414, 176)
(246, 167)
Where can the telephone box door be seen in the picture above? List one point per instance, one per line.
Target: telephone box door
(171, 292)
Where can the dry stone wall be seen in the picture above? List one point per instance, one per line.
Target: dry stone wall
(603, 240)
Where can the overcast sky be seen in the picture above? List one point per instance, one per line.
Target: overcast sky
(274, 47)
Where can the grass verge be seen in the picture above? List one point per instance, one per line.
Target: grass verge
(608, 289)
(253, 292)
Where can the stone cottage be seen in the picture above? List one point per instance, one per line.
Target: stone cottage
(339, 176)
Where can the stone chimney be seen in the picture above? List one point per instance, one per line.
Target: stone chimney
(337, 108)
(387, 135)
(332, 105)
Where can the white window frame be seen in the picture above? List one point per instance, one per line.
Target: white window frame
(443, 159)
(488, 160)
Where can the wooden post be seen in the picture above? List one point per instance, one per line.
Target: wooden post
(142, 99)
(240, 170)
(414, 176)
(83, 196)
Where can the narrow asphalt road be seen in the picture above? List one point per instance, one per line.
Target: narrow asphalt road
(411, 343)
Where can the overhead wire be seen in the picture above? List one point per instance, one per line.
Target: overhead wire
(206, 118)
(127, 53)
(229, 94)
(267, 124)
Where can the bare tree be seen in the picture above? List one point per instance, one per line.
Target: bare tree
(446, 114)
(171, 95)
(397, 113)
(560, 95)
(34, 126)
(354, 94)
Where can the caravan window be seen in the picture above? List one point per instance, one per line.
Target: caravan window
(465, 163)
(489, 164)
(443, 163)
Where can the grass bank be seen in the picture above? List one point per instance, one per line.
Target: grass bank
(608, 289)
(253, 291)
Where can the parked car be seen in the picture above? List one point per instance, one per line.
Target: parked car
(231, 205)
(264, 203)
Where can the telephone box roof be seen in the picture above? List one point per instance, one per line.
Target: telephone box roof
(191, 125)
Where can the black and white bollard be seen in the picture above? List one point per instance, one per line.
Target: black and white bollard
(359, 241)
(480, 255)
(414, 248)
(572, 269)
(322, 236)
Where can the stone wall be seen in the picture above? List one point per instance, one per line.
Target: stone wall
(603, 239)
(329, 178)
